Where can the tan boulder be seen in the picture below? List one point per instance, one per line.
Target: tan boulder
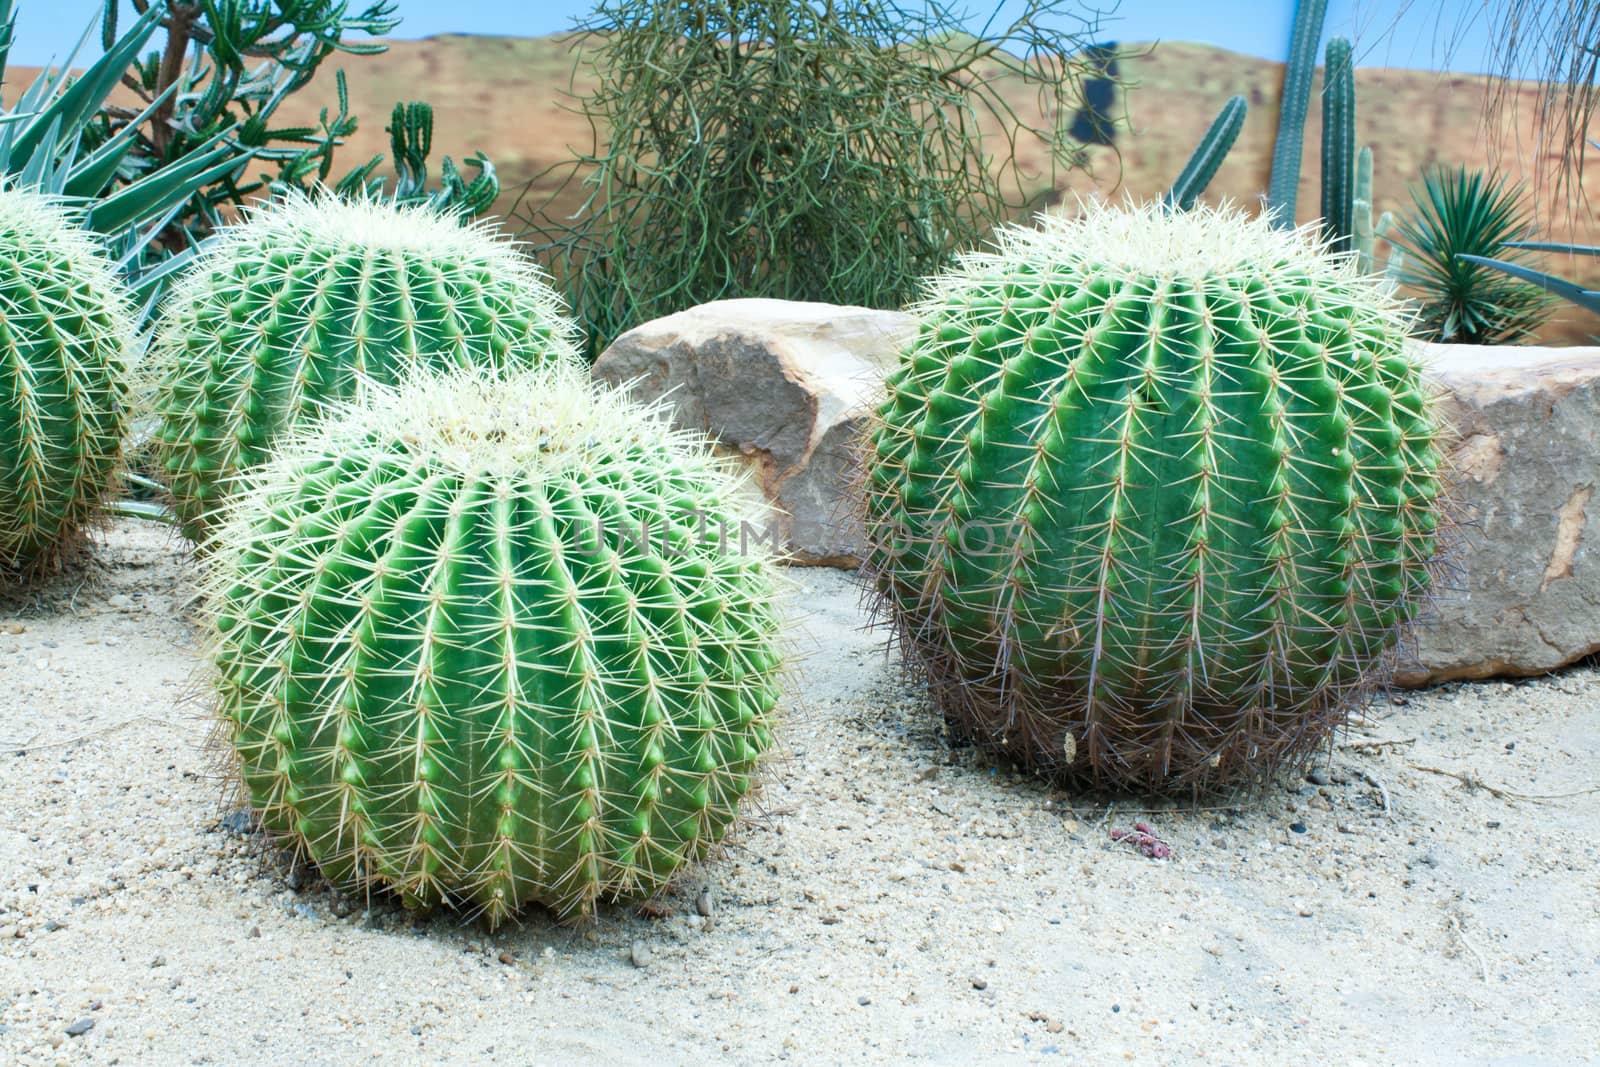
(785, 386)
(1525, 595)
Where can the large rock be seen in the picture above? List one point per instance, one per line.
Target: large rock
(784, 385)
(1526, 596)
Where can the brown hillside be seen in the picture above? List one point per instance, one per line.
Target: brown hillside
(510, 97)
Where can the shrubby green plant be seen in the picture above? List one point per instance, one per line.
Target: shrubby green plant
(801, 150)
(309, 301)
(1152, 495)
(66, 336)
(474, 644)
(54, 141)
(1462, 215)
(224, 69)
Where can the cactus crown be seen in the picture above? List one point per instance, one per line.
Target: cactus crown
(66, 335)
(474, 645)
(1151, 493)
(311, 299)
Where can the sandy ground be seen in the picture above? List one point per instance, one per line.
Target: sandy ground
(901, 899)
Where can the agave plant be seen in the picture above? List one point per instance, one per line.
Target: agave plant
(1588, 299)
(53, 142)
(226, 68)
(1461, 217)
(153, 180)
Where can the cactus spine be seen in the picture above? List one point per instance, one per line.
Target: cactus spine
(66, 335)
(1151, 494)
(1208, 155)
(309, 300)
(1284, 183)
(1339, 146)
(475, 644)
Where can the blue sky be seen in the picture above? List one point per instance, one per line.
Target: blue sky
(1432, 34)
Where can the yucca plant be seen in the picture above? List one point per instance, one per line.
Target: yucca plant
(1461, 213)
(1152, 495)
(482, 642)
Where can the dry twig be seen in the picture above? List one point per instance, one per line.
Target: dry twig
(1472, 781)
(1382, 791)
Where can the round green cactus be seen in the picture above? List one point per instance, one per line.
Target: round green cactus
(309, 300)
(66, 336)
(484, 641)
(1152, 494)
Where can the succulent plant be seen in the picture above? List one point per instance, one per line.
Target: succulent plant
(66, 336)
(1152, 494)
(481, 641)
(1208, 155)
(1463, 218)
(1284, 183)
(312, 298)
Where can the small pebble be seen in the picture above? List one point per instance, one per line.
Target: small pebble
(1317, 778)
(863, 1001)
(507, 958)
(704, 903)
(81, 1027)
(980, 983)
(640, 954)
(1298, 827)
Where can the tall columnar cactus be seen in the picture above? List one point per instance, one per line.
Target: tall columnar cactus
(483, 642)
(1339, 145)
(1362, 233)
(310, 299)
(1283, 186)
(65, 339)
(1208, 155)
(1151, 495)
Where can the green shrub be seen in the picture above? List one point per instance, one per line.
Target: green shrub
(803, 151)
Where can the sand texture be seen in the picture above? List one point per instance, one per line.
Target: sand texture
(899, 899)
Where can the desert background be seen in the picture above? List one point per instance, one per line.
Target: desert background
(515, 99)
